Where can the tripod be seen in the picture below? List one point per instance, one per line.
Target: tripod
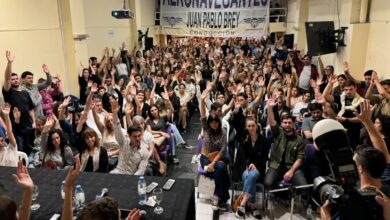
(292, 189)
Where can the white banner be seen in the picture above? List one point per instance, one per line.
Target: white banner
(215, 18)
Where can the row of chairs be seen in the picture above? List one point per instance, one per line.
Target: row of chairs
(206, 185)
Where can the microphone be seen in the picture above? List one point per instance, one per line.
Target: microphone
(104, 192)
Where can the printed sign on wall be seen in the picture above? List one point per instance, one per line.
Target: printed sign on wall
(215, 18)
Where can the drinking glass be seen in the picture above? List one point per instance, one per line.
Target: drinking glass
(35, 193)
(158, 193)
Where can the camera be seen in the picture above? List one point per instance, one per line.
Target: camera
(341, 189)
(357, 204)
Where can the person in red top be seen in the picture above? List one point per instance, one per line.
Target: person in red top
(305, 71)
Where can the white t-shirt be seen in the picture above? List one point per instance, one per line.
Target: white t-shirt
(9, 156)
(297, 108)
(304, 78)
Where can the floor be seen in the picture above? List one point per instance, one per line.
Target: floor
(187, 169)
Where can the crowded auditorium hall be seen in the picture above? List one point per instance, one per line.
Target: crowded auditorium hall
(194, 109)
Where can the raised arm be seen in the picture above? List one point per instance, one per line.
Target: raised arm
(24, 181)
(380, 88)
(320, 66)
(327, 93)
(96, 118)
(165, 96)
(48, 81)
(202, 107)
(73, 173)
(288, 98)
(348, 74)
(365, 118)
(259, 96)
(8, 125)
(8, 71)
(270, 112)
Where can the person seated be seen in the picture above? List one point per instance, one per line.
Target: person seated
(8, 154)
(54, 153)
(212, 154)
(93, 157)
(8, 207)
(133, 153)
(255, 154)
(309, 122)
(148, 140)
(288, 153)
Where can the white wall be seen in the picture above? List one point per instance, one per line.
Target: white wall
(31, 30)
(103, 29)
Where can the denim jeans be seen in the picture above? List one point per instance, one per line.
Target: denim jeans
(177, 138)
(250, 178)
(220, 176)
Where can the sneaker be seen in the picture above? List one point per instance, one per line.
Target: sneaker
(240, 213)
(175, 160)
(186, 146)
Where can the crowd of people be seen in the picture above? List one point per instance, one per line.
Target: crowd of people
(136, 105)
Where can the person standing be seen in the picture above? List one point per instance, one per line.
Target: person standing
(20, 99)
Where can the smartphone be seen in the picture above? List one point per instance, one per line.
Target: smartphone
(151, 187)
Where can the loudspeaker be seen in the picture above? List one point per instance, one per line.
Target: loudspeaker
(288, 40)
(148, 43)
(320, 37)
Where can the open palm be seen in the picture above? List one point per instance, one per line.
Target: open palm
(22, 178)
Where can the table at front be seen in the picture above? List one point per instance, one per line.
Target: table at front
(178, 203)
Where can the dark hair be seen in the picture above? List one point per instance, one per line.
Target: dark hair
(368, 73)
(212, 117)
(330, 67)
(215, 106)
(243, 94)
(385, 122)
(104, 209)
(8, 208)
(314, 106)
(349, 83)
(14, 74)
(306, 56)
(86, 133)
(342, 76)
(151, 117)
(385, 82)
(134, 128)
(26, 73)
(372, 160)
(50, 147)
(287, 116)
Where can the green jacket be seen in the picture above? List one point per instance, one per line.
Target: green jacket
(295, 148)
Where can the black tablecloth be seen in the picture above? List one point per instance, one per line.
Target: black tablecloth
(178, 203)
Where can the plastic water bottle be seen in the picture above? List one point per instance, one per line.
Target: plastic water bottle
(309, 213)
(142, 190)
(62, 190)
(80, 197)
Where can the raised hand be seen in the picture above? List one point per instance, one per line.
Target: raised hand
(332, 79)
(6, 109)
(365, 111)
(204, 94)
(319, 80)
(9, 56)
(374, 78)
(165, 96)
(45, 69)
(129, 108)
(261, 81)
(22, 178)
(73, 172)
(67, 101)
(272, 102)
(114, 106)
(346, 66)
(94, 88)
